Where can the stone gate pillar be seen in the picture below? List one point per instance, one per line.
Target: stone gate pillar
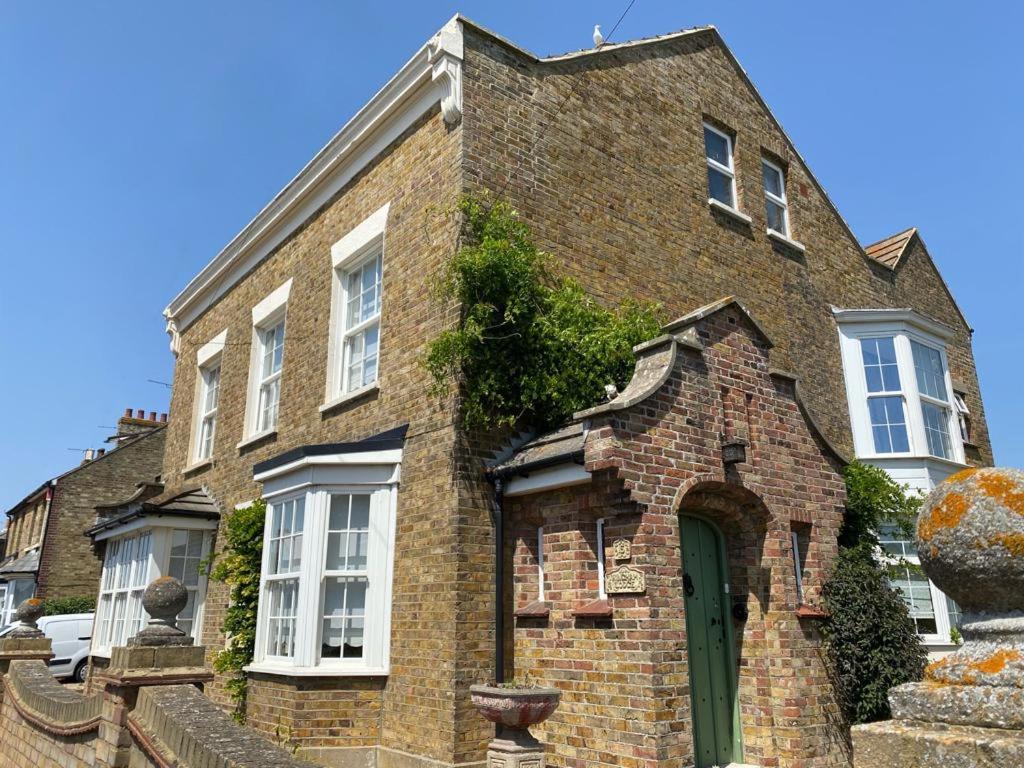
(26, 641)
(160, 654)
(969, 710)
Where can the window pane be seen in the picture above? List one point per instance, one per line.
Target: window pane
(179, 543)
(720, 187)
(956, 617)
(895, 542)
(931, 376)
(880, 367)
(936, 427)
(343, 618)
(917, 594)
(772, 180)
(717, 148)
(776, 216)
(282, 599)
(888, 425)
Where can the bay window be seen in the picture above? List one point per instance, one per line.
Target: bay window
(132, 561)
(898, 385)
(326, 577)
(934, 614)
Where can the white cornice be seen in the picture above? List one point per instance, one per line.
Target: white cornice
(433, 75)
(902, 315)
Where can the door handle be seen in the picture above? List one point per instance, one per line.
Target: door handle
(688, 585)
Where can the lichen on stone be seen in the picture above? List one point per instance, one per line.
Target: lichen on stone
(945, 515)
(1002, 489)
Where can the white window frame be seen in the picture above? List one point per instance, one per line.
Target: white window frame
(156, 565)
(727, 170)
(208, 365)
(903, 326)
(10, 604)
(267, 315)
(316, 479)
(782, 202)
(938, 597)
(364, 242)
(540, 563)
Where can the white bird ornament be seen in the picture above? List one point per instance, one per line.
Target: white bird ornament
(598, 37)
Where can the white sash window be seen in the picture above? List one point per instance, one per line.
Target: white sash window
(325, 596)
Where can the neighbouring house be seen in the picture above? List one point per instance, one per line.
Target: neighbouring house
(659, 558)
(47, 554)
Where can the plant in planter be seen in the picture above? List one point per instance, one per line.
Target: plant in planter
(514, 707)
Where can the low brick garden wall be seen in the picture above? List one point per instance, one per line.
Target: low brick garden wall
(131, 719)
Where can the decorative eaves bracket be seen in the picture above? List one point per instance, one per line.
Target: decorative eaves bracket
(445, 52)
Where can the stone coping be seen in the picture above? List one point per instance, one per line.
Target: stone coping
(176, 725)
(39, 698)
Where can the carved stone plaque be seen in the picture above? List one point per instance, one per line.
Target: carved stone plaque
(624, 580)
(622, 549)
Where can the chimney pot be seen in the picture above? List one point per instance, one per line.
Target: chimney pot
(100, 452)
(140, 414)
(163, 418)
(127, 413)
(152, 415)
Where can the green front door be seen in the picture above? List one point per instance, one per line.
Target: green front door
(709, 646)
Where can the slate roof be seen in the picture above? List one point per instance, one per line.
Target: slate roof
(28, 563)
(889, 251)
(551, 448)
(191, 502)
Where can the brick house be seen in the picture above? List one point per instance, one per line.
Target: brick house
(660, 557)
(47, 554)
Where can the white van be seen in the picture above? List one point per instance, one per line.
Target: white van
(71, 635)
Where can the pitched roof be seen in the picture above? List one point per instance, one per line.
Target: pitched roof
(28, 563)
(550, 448)
(889, 251)
(191, 502)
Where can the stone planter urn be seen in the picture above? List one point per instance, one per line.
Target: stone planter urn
(514, 710)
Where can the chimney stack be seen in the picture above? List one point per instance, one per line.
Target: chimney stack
(133, 424)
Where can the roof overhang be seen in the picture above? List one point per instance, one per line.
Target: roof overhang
(902, 315)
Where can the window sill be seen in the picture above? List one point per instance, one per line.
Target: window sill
(256, 438)
(348, 397)
(813, 612)
(911, 457)
(282, 670)
(596, 609)
(728, 210)
(536, 610)
(781, 239)
(203, 464)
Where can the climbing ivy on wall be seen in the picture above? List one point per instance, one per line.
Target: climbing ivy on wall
(872, 642)
(238, 566)
(530, 347)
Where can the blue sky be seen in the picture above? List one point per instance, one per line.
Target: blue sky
(137, 138)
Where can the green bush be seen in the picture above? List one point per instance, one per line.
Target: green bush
(871, 639)
(238, 566)
(60, 606)
(529, 348)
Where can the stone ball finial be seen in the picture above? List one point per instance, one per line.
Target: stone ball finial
(30, 611)
(970, 537)
(163, 600)
(27, 614)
